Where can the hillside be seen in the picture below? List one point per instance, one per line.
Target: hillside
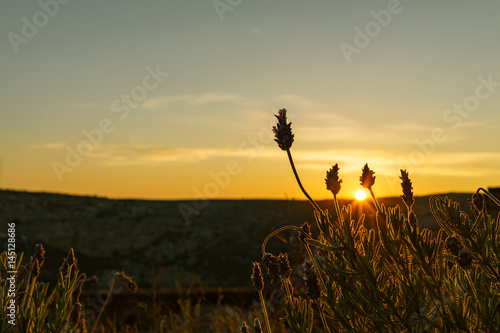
(137, 235)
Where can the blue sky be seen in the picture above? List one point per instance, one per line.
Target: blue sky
(422, 94)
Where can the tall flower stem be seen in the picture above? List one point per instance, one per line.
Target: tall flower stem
(375, 201)
(264, 311)
(103, 306)
(313, 203)
(337, 207)
(491, 196)
(286, 287)
(293, 227)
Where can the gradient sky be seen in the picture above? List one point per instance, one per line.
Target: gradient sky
(394, 102)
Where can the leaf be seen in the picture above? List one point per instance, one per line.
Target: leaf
(299, 315)
(333, 247)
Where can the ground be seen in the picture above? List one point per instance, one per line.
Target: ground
(217, 245)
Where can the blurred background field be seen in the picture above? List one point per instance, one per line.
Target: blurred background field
(199, 268)
(137, 236)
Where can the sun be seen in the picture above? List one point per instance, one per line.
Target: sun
(360, 195)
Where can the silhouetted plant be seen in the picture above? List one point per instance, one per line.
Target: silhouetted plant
(37, 309)
(398, 276)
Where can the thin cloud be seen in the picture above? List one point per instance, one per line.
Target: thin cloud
(157, 155)
(159, 102)
(475, 124)
(197, 100)
(388, 162)
(329, 134)
(48, 145)
(410, 127)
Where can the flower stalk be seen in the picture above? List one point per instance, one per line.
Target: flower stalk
(284, 138)
(258, 283)
(313, 203)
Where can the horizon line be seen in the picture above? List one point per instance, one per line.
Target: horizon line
(221, 198)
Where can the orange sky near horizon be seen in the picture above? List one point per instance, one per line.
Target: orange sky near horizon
(176, 100)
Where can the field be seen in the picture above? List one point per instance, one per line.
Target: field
(137, 235)
(152, 243)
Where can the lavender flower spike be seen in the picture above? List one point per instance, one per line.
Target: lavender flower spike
(367, 178)
(407, 189)
(332, 180)
(311, 281)
(283, 131)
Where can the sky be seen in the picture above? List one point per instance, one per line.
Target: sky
(176, 99)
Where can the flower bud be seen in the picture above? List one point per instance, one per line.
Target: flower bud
(333, 183)
(306, 232)
(126, 281)
(273, 268)
(244, 328)
(367, 178)
(407, 189)
(311, 281)
(477, 200)
(284, 265)
(256, 326)
(257, 278)
(283, 131)
(39, 254)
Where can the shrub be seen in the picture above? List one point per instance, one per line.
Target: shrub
(36, 309)
(397, 276)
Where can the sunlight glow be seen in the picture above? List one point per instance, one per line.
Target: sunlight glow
(360, 195)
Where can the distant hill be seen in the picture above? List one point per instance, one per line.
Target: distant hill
(218, 243)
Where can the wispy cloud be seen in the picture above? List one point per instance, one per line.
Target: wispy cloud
(476, 124)
(159, 102)
(148, 155)
(197, 100)
(448, 164)
(329, 134)
(48, 145)
(410, 127)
